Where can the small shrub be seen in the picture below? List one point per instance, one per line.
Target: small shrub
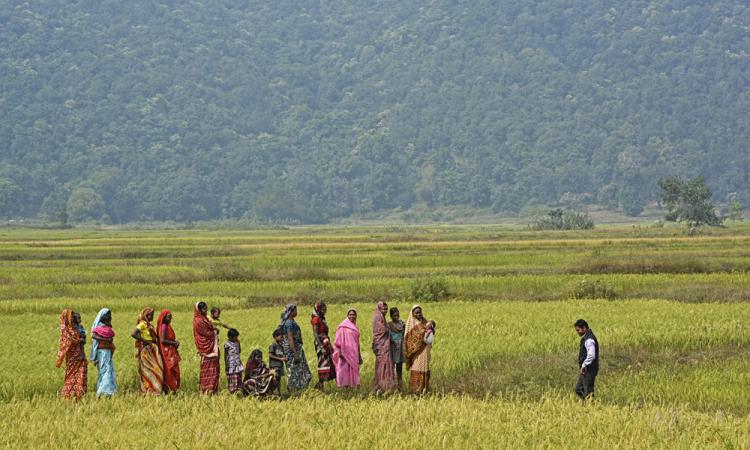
(593, 289)
(229, 271)
(558, 219)
(429, 290)
(736, 210)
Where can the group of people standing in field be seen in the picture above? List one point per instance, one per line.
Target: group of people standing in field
(394, 344)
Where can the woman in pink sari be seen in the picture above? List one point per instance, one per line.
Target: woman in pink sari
(346, 354)
(381, 346)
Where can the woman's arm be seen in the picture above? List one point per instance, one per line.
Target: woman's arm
(166, 341)
(136, 334)
(316, 328)
(290, 340)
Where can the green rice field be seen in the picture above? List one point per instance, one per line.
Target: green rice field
(670, 311)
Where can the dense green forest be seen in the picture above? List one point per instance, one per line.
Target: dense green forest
(311, 110)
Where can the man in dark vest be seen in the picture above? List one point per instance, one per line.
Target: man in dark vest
(588, 360)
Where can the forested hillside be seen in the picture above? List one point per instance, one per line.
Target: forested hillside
(311, 110)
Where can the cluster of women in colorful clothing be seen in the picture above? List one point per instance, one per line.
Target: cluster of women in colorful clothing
(394, 344)
(158, 359)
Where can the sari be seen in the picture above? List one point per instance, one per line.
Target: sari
(101, 354)
(417, 353)
(207, 344)
(323, 349)
(169, 354)
(296, 364)
(346, 354)
(150, 364)
(259, 379)
(381, 346)
(70, 350)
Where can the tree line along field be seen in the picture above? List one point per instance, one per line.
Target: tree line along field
(671, 319)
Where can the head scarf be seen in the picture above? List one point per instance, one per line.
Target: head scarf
(97, 323)
(142, 318)
(70, 335)
(317, 310)
(287, 311)
(411, 321)
(203, 332)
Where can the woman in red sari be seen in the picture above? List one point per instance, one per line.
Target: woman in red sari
(168, 344)
(72, 340)
(207, 344)
(147, 355)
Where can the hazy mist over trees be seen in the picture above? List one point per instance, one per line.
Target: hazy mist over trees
(313, 110)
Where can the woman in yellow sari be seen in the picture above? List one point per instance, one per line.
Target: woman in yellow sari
(417, 351)
(150, 365)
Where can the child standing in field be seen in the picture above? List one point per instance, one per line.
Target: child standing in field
(396, 328)
(276, 357)
(233, 361)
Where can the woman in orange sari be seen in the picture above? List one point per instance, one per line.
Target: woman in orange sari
(150, 364)
(207, 344)
(168, 344)
(72, 340)
(417, 351)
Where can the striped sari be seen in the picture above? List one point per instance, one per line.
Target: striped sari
(207, 344)
(150, 365)
(323, 348)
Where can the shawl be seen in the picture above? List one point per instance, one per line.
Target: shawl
(287, 311)
(347, 343)
(142, 318)
(104, 331)
(203, 332)
(70, 335)
(381, 336)
(99, 328)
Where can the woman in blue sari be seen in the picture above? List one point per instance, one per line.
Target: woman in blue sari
(102, 350)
